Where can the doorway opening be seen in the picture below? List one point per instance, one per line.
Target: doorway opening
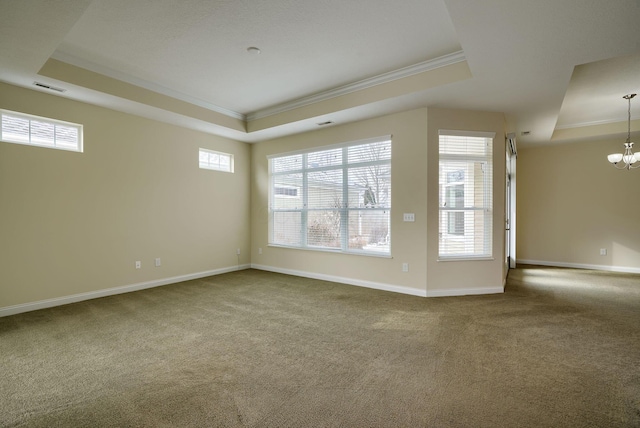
(510, 202)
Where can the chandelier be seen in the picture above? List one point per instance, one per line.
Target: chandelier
(628, 158)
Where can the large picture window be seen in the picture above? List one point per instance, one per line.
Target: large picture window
(466, 204)
(336, 198)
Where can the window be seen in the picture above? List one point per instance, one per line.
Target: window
(31, 130)
(285, 192)
(466, 205)
(217, 161)
(337, 198)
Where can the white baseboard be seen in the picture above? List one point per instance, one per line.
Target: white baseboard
(452, 292)
(385, 287)
(58, 301)
(608, 268)
(343, 280)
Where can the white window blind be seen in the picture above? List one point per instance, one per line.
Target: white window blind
(217, 161)
(466, 203)
(336, 198)
(26, 129)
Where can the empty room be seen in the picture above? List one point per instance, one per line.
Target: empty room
(319, 213)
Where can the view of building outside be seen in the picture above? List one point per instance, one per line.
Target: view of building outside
(333, 199)
(465, 196)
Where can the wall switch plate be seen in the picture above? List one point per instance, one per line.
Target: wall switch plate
(138, 264)
(158, 262)
(405, 267)
(603, 251)
(409, 217)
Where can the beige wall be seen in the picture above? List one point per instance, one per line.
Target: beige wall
(474, 276)
(76, 222)
(414, 190)
(571, 203)
(73, 223)
(409, 179)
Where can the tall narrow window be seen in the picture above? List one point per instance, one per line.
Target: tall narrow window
(466, 203)
(336, 198)
(31, 130)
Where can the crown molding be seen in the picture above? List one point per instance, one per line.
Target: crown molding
(400, 73)
(109, 72)
(595, 123)
(391, 76)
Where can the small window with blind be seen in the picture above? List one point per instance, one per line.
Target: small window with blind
(216, 161)
(466, 203)
(334, 198)
(38, 131)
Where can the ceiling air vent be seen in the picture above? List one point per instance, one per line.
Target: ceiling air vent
(51, 88)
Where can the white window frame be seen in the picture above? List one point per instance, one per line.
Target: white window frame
(56, 143)
(454, 185)
(486, 160)
(284, 187)
(213, 165)
(347, 206)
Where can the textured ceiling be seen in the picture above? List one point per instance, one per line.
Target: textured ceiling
(186, 62)
(198, 47)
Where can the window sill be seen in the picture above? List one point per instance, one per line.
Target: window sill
(465, 259)
(334, 251)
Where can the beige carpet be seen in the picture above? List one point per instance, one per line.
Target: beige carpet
(560, 348)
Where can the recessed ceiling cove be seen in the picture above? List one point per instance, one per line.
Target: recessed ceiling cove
(197, 49)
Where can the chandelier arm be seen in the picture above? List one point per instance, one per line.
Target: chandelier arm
(622, 166)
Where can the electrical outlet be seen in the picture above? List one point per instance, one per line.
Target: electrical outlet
(158, 262)
(405, 267)
(603, 251)
(260, 250)
(138, 264)
(238, 251)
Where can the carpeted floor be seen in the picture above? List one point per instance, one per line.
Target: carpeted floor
(560, 348)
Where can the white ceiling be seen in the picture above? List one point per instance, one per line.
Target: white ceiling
(521, 56)
(593, 84)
